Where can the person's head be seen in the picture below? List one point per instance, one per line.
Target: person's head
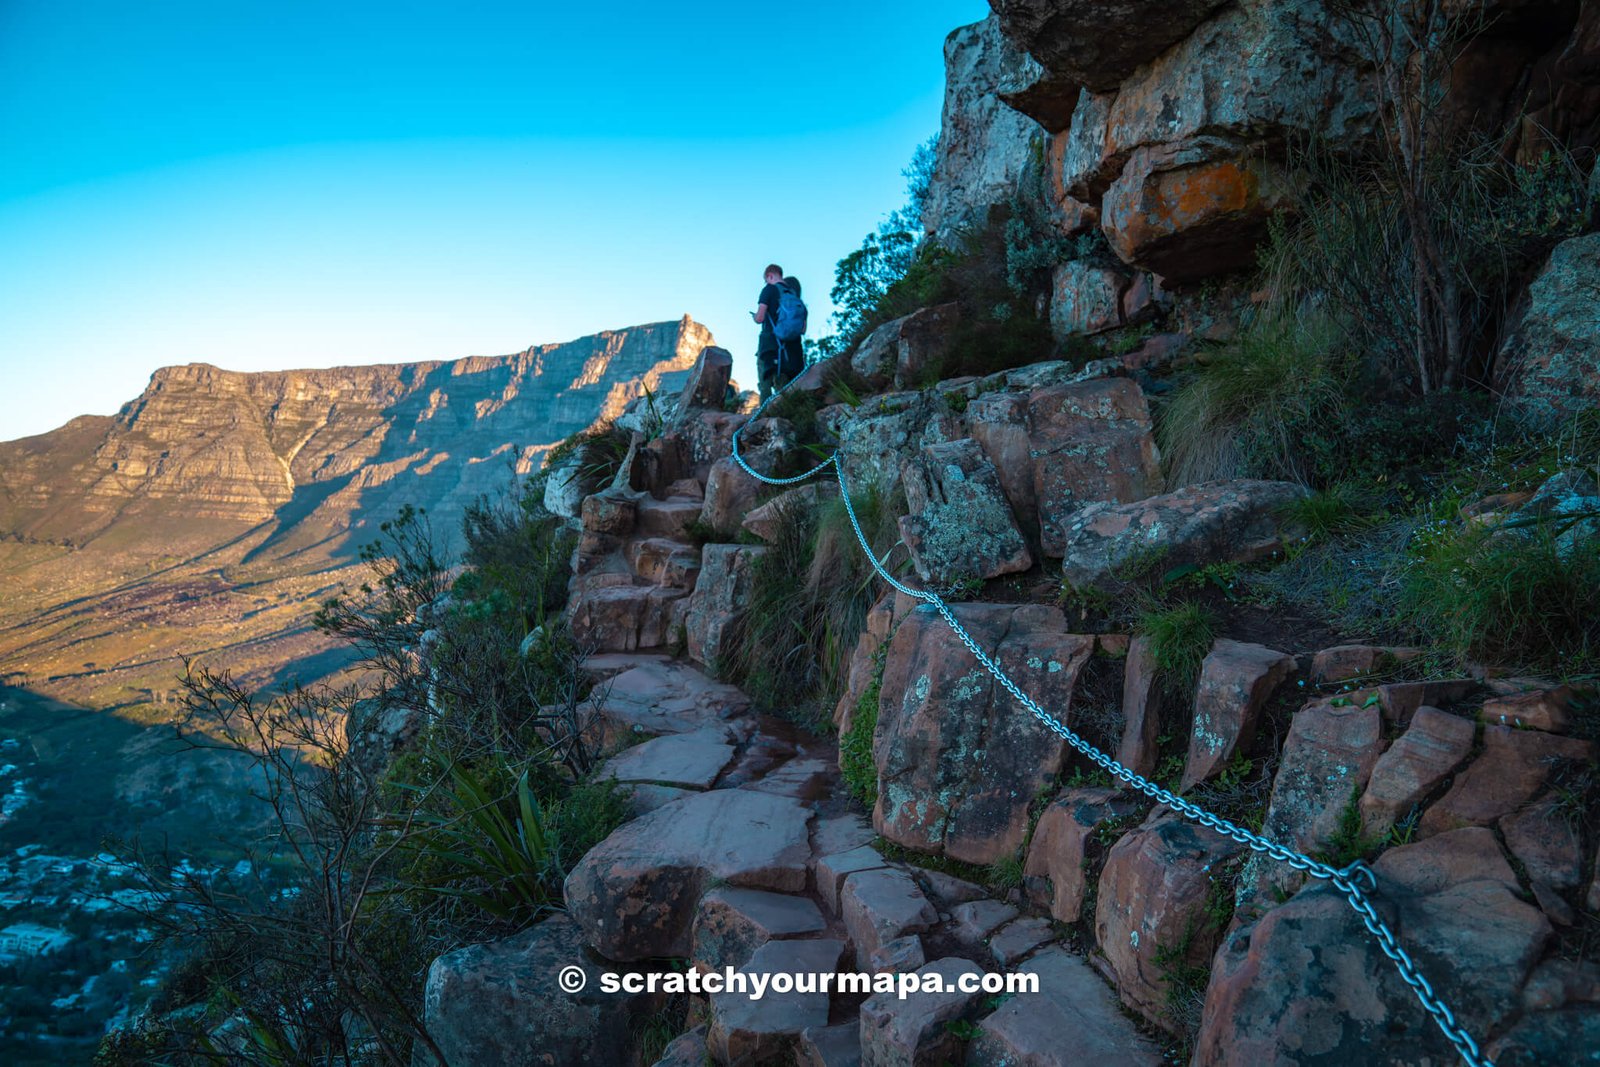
(773, 274)
(793, 284)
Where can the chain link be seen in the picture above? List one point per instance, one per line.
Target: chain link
(1348, 880)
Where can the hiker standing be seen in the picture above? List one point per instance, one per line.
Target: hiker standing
(782, 317)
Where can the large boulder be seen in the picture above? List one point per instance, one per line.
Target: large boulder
(1190, 210)
(1237, 679)
(959, 525)
(958, 762)
(1514, 766)
(1056, 874)
(1090, 443)
(1432, 747)
(1551, 358)
(1072, 1019)
(984, 145)
(907, 350)
(636, 893)
(1217, 522)
(1326, 763)
(1097, 44)
(1151, 912)
(502, 1004)
(717, 606)
(1307, 983)
(1085, 298)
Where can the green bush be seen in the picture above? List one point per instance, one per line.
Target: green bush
(1523, 598)
(1180, 636)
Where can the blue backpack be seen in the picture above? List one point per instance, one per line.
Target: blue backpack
(791, 320)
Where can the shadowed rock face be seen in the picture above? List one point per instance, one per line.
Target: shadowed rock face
(217, 508)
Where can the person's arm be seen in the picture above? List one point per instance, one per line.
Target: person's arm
(761, 313)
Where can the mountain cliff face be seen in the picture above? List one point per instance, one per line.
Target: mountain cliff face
(128, 539)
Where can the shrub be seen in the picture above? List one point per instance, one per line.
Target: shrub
(1180, 637)
(1518, 598)
(856, 765)
(1247, 410)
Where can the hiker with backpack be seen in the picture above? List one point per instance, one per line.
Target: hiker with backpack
(780, 354)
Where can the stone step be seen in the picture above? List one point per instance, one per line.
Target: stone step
(732, 923)
(666, 518)
(748, 1031)
(664, 561)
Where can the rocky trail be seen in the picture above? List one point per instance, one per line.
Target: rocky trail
(1152, 936)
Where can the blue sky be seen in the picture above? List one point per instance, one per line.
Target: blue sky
(291, 184)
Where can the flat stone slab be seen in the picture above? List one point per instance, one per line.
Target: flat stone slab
(744, 1030)
(831, 872)
(880, 905)
(805, 778)
(636, 893)
(643, 797)
(977, 919)
(732, 923)
(1016, 939)
(1072, 1020)
(829, 1046)
(689, 761)
(662, 697)
(915, 1031)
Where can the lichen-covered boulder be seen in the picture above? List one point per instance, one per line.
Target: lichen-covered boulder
(1217, 522)
(1085, 298)
(1054, 875)
(1551, 358)
(501, 1005)
(1237, 678)
(720, 598)
(984, 145)
(1090, 443)
(1097, 44)
(958, 763)
(635, 894)
(1307, 983)
(1151, 908)
(959, 525)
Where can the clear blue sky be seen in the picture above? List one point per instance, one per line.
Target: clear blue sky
(265, 185)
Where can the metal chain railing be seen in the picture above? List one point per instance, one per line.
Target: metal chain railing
(1348, 880)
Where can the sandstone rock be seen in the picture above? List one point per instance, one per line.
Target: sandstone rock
(765, 520)
(1054, 875)
(864, 664)
(1141, 709)
(832, 870)
(1152, 901)
(999, 422)
(645, 797)
(688, 761)
(902, 955)
(669, 518)
(707, 384)
(1217, 522)
(1085, 299)
(659, 697)
(1433, 746)
(947, 891)
(1513, 766)
(745, 1031)
(661, 561)
(1400, 700)
(1236, 681)
(1551, 358)
(878, 906)
(907, 350)
(685, 1050)
(1549, 710)
(1073, 1019)
(1544, 838)
(1018, 939)
(1307, 982)
(1091, 443)
(731, 494)
(959, 525)
(635, 893)
(913, 1031)
(829, 1046)
(621, 618)
(1327, 760)
(840, 833)
(1125, 34)
(957, 765)
(984, 146)
(611, 511)
(717, 606)
(1192, 209)
(1344, 662)
(977, 919)
(805, 778)
(481, 1003)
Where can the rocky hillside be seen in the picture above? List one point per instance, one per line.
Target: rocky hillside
(213, 512)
